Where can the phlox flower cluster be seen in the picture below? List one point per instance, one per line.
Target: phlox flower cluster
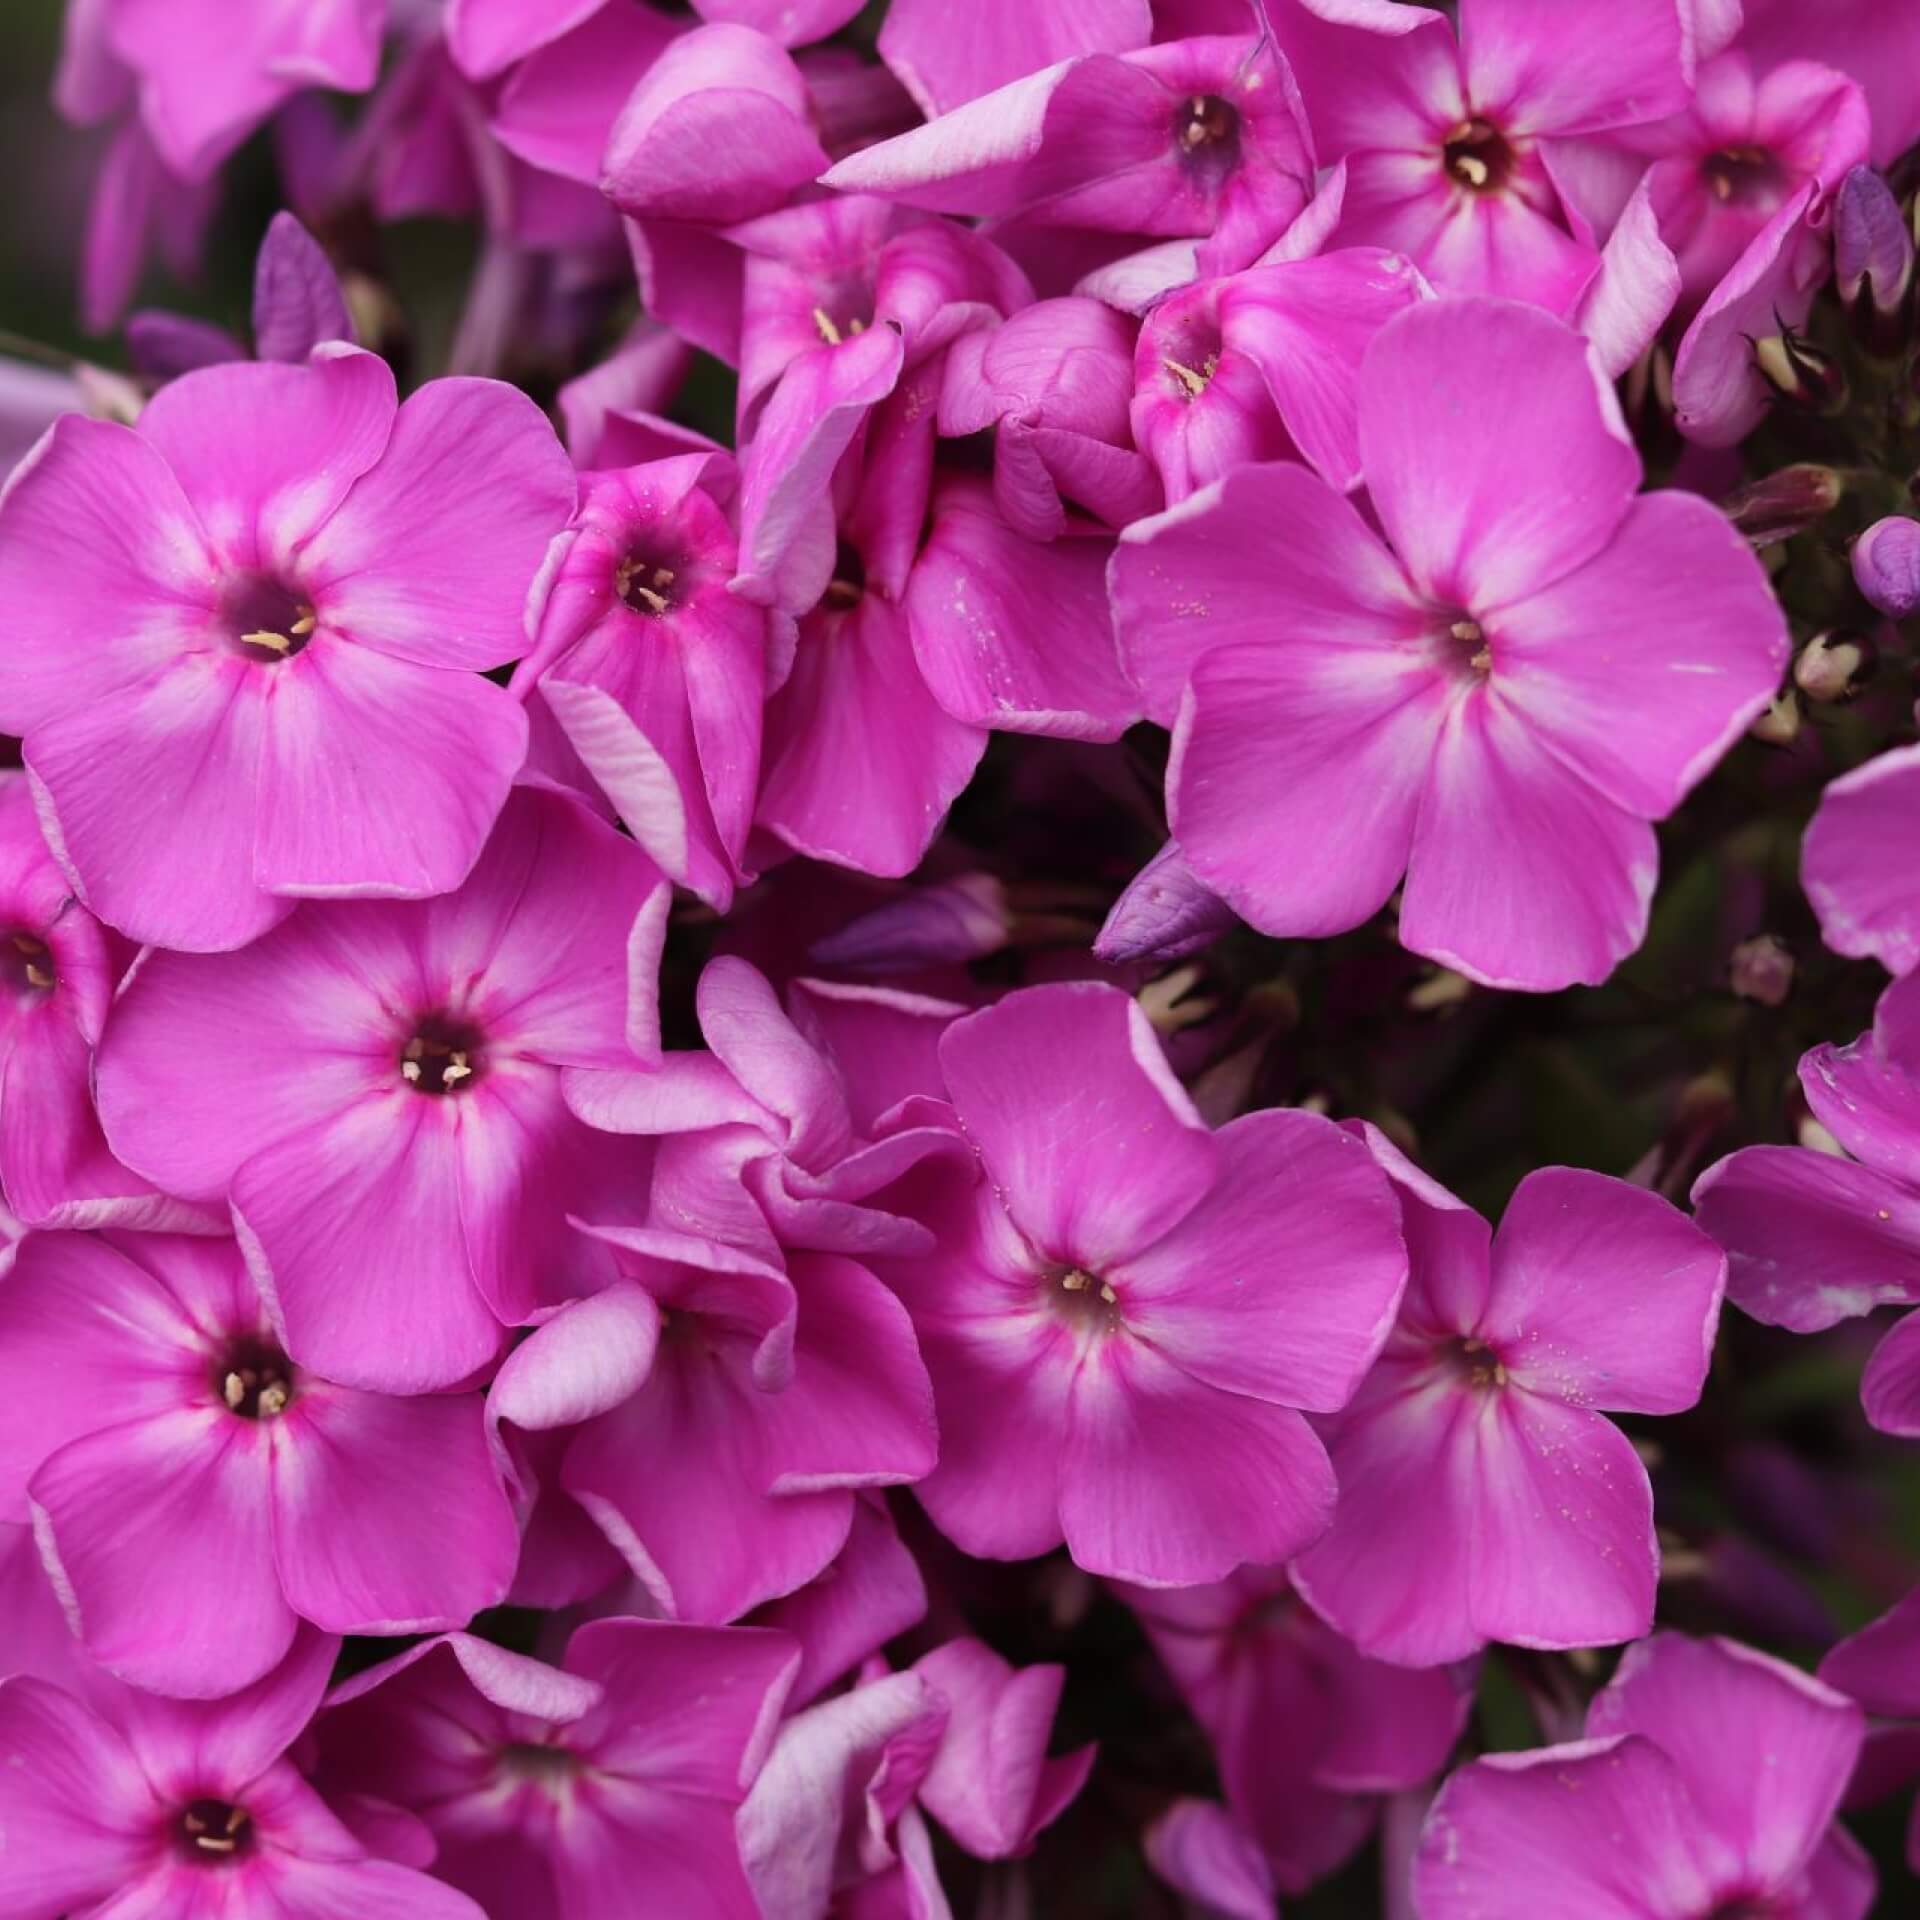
(894, 1046)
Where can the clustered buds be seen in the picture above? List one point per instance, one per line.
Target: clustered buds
(791, 1003)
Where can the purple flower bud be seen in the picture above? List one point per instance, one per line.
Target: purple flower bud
(1778, 505)
(1872, 258)
(297, 301)
(1832, 667)
(1164, 914)
(1886, 565)
(956, 921)
(1762, 970)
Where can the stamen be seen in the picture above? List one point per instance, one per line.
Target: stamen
(273, 642)
(823, 320)
(305, 624)
(441, 1056)
(1077, 1282)
(213, 1832)
(1194, 382)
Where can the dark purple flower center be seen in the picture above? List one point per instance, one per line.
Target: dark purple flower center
(1465, 642)
(649, 584)
(1206, 133)
(254, 1379)
(26, 966)
(266, 620)
(1084, 1299)
(442, 1055)
(214, 1833)
(550, 1767)
(1744, 1906)
(1739, 176)
(1478, 156)
(1478, 1364)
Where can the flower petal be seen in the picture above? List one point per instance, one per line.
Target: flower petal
(160, 1533)
(1521, 875)
(1644, 707)
(150, 799)
(378, 777)
(1283, 1282)
(1701, 1700)
(1085, 1132)
(388, 1515)
(431, 555)
(1604, 1295)
(1496, 459)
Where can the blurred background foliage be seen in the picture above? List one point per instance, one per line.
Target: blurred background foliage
(1786, 1520)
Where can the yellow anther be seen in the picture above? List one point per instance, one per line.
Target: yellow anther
(233, 1390)
(273, 642)
(828, 331)
(273, 1400)
(306, 623)
(1195, 383)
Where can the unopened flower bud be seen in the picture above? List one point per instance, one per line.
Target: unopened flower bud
(1165, 914)
(1873, 260)
(1802, 374)
(1780, 504)
(952, 922)
(1762, 970)
(1833, 667)
(1779, 725)
(1886, 565)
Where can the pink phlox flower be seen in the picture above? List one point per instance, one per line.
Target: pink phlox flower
(1450, 141)
(1706, 1786)
(375, 1089)
(1264, 365)
(131, 1803)
(781, 1132)
(1203, 138)
(197, 1495)
(1116, 1315)
(1248, 1656)
(1052, 384)
(243, 637)
(724, 1412)
(604, 1787)
(1745, 144)
(1482, 671)
(1484, 1495)
(656, 673)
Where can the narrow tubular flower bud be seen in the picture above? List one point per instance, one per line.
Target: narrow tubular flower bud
(1833, 667)
(1778, 505)
(1762, 970)
(1873, 260)
(1886, 565)
(1779, 724)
